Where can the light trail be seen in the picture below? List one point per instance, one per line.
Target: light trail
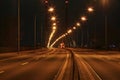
(51, 35)
(83, 18)
(62, 36)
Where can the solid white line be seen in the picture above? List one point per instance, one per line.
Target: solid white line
(61, 74)
(89, 73)
(85, 63)
(93, 70)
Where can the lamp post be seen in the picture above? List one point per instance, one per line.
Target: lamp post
(18, 39)
(105, 6)
(66, 22)
(89, 10)
(46, 23)
(78, 24)
(35, 34)
(83, 19)
(53, 19)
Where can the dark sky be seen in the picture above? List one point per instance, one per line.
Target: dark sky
(76, 8)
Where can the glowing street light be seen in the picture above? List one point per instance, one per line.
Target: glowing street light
(66, 34)
(54, 24)
(51, 9)
(90, 9)
(70, 31)
(77, 24)
(66, 1)
(105, 4)
(74, 28)
(46, 1)
(83, 18)
(54, 27)
(53, 18)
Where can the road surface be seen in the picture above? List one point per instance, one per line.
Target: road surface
(60, 64)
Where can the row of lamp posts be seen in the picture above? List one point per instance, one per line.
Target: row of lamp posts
(66, 17)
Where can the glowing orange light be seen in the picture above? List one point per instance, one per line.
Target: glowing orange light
(46, 1)
(53, 18)
(66, 1)
(70, 31)
(83, 18)
(90, 9)
(78, 24)
(51, 9)
(54, 27)
(74, 28)
(54, 24)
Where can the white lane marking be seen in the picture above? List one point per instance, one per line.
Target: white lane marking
(61, 73)
(85, 63)
(24, 63)
(93, 71)
(84, 67)
(2, 72)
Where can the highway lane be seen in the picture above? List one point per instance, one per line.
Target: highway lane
(37, 67)
(9, 58)
(61, 64)
(107, 67)
(99, 65)
(5, 56)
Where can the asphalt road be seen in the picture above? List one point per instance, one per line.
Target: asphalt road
(60, 64)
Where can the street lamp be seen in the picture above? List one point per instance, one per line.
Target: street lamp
(83, 18)
(51, 9)
(66, 1)
(69, 31)
(51, 35)
(66, 21)
(105, 5)
(46, 1)
(78, 24)
(54, 27)
(77, 38)
(44, 37)
(53, 18)
(54, 24)
(90, 9)
(74, 28)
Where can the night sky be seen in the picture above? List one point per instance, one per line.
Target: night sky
(76, 8)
